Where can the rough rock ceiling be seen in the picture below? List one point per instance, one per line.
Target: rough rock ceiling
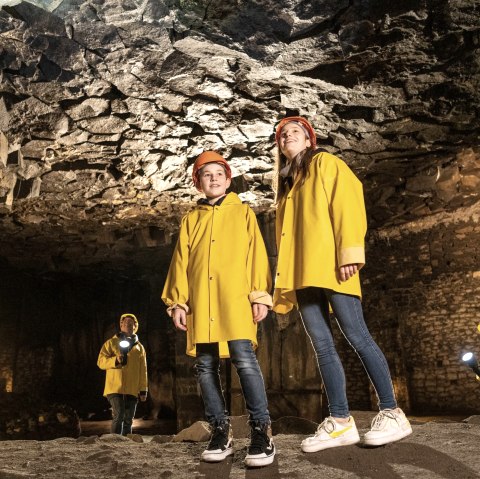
(104, 106)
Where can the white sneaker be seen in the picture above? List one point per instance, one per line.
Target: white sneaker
(261, 451)
(220, 445)
(387, 426)
(332, 434)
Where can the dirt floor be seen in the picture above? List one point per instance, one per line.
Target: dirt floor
(438, 448)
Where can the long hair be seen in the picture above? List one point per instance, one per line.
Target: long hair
(299, 168)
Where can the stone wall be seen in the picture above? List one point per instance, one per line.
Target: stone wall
(422, 285)
(189, 407)
(7, 351)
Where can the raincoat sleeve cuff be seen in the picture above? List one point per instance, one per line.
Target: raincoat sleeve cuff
(174, 306)
(352, 255)
(261, 297)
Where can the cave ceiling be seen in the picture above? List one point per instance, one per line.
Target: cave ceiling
(105, 104)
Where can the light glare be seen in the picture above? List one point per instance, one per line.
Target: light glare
(467, 357)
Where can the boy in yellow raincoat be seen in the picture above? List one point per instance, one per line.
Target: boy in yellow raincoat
(217, 291)
(126, 373)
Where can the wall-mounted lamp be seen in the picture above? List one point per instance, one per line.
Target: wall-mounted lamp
(471, 361)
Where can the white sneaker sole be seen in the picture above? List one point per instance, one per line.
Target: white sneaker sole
(396, 436)
(327, 444)
(259, 461)
(209, 456)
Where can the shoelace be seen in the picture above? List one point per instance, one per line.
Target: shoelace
(328, 425)
(219, 438)
(380, 418)
(259, 440)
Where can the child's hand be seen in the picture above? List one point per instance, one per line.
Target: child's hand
(179, 318)
(347, 271)
(259, 312)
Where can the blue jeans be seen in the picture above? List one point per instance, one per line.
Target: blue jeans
(313, 306)
(243, 357)
(123, 412)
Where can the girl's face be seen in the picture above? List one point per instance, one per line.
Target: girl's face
(293, 140)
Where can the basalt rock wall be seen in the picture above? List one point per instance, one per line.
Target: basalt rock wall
(105, 105)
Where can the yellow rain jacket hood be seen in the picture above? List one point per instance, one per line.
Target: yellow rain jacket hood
(218, 269)
(320, 226)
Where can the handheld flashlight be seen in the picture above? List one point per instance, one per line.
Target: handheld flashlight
(471, 361)
(124, 348)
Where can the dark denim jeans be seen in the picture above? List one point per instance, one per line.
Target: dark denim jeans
(243, 357)
(123, 412)
(314, 311)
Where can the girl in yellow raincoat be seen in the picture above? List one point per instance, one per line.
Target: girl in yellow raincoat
(217, 291)
(320, 229)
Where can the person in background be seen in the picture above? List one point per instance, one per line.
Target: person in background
(320, 230)
(217, 291)
(124, 359)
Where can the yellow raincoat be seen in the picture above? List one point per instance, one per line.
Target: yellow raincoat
(320, 226)
(129, 379)
(218, 269)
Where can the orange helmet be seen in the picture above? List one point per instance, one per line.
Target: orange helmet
(209, 157)
(307, 127)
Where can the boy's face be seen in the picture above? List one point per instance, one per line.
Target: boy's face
(213, 181)
(127, 325)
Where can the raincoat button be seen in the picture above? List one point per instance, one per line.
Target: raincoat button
(211, 277)
(278, 274)
(211, 319)
(283, 234)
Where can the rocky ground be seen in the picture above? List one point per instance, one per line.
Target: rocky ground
(438, 448)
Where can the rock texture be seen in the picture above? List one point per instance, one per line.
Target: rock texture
(104, 106)
(24, 418)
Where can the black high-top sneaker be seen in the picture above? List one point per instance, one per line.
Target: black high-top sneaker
(261, 450)
(221, 443)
